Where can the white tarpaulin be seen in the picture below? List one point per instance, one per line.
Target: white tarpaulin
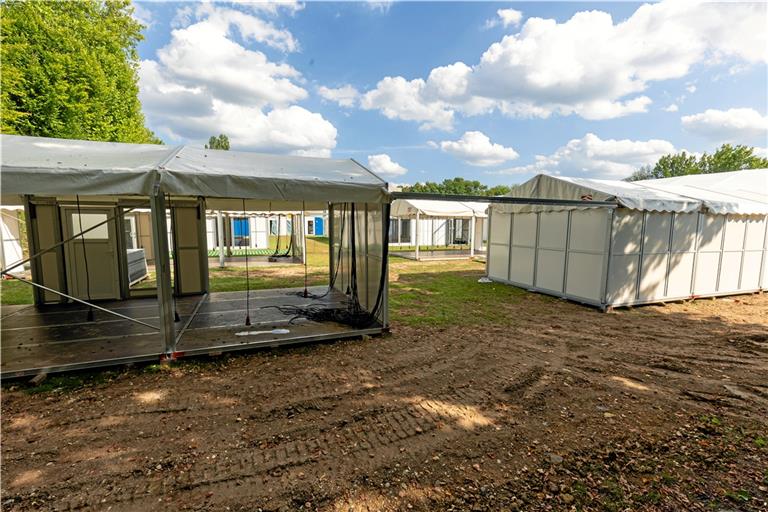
(43, 166)
(407, 208)
(739, 192)
(628, 195)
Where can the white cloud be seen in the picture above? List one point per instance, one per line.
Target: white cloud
(345, 96)
(761, 152)
(398, 98)
(476, 148)
(382, 6)
(691, 89)
(384, 165)
(142, 14)
(671, 108)
(592, 157)
(732, 125)
(588, 65)
(204, 82)
(505, 17)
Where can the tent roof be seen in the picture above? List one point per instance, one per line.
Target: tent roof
(738, 192)
(44, 166)
(430, 208)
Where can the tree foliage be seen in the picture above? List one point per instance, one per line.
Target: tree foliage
(220, 142)
(457, 186)
(69, 70)
(725, 158)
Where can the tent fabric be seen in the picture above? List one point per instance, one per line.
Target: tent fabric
(737, 192)
(45, 166)
(407, 208)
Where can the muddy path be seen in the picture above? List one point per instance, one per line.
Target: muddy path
(551, 407)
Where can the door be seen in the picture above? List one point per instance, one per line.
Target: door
(189, 246)
(95, 250)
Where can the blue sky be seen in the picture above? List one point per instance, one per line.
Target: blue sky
(495, 91)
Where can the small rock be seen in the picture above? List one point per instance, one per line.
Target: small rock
(555, 459)
(567, 499)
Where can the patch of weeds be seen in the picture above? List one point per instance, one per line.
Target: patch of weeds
(652, 497)
(69, 382)
(761, 442)
(579, 488)
(667, 479)
(739, 496)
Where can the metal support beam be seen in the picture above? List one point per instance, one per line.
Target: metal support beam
(418, 239)
(163, 271)
(303, 239)
(472, 237)
(220, 233)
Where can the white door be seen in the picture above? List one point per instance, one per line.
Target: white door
(95, 249)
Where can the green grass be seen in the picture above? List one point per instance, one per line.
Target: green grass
(442, 294)
(14, 292)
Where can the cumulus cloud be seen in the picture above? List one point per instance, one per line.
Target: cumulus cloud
(505, 17)
(384, 165)
(592, 157)
(588, 65)
(345, 96)
(204, 81)
(732, 125)
(671, 108)
(476, 148)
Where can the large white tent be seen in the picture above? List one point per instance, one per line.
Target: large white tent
(439, 223)
(667, 239)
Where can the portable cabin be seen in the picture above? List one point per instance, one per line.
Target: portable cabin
(425, 229)
(88, 311)
(657, 240)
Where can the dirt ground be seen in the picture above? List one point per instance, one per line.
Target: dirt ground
(554, 406)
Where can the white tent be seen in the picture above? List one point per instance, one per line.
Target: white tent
(429, 222)
(676, 238)
(79, 194)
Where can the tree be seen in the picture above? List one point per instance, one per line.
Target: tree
(69, 70)
(220, 142)
(725, 158)
(457, 186)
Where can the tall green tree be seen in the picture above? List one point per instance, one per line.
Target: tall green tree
(457, 186)
(69, 70)
(220, 142)
(725, 158)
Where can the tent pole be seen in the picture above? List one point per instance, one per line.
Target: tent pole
(418, 239)
(303, 239)
(220, 231)
(472, 237)
(163, 271)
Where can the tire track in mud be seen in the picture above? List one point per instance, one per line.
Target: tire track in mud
(370, 440)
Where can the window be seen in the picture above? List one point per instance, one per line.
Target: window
(405, 231)
(310, 227)
(89, 220)
(394, 231)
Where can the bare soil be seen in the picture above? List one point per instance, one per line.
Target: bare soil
(553, 407)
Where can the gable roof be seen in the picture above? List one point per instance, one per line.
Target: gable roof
(46, 166)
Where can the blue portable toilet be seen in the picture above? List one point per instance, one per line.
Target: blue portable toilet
(319, 231)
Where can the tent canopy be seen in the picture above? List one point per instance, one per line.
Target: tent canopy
(44, 166)
(737, 192)
(407, 208)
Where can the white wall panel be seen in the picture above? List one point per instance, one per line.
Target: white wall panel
(734, 233)
(498, 260)
(500, 228)
(622, 278)
(585, 272)
(550, 269)
(524, 230)
(711, 232)
(553, 229)
(589, 229)
(705, 281)
(750, 274)
(653, 278)
(627, 232)
(521, 265)
(657, 226)
(729, 272)
(680, 273)
(755, 233)
(684, 237)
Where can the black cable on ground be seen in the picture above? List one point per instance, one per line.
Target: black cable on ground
(85, 259)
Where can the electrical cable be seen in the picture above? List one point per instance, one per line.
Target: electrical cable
(85, 259)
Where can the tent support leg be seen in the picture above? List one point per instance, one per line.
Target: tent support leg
(418, 239)
(472, 238)
(163, 271)
(220, 232)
